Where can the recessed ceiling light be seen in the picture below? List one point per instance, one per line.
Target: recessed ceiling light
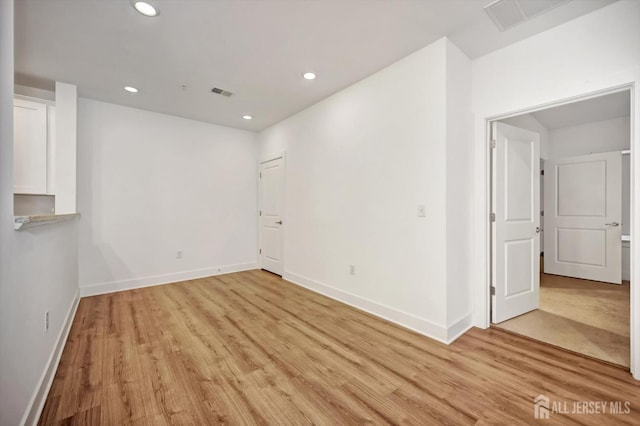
(247, 117)
(146, 9)
(309, 75)
(130, 89)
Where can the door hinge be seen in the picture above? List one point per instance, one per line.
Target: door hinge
(260, 175)
(542, 213)
(492, 290)
(541, 172)
(492, 217)
(493, 143)
(260, 251)
(260, 212)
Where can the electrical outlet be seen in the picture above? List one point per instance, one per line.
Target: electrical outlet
(46, 321)
(179, 254)
(352, 269)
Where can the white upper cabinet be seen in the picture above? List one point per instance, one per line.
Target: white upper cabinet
(30, 159)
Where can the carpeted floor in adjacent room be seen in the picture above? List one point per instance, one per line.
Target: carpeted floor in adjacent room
(588, 317)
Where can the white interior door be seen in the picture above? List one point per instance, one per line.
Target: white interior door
(271, 213)
(583, 208)
(516, 228)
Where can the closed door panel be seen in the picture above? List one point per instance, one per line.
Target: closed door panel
(582, 246)
(518, 268)
(272, 242)
(583, 196)
(271, 216)
(582, 189)
(518, 202)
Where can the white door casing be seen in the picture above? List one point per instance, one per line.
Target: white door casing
(271, 215)
(583, 214)
(516, 229)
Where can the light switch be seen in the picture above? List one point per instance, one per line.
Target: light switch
(422, 210)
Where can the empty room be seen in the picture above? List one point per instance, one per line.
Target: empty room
(319, 212)
(583, 295)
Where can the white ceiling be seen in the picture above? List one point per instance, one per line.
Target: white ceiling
(591, 110)
(256, 49)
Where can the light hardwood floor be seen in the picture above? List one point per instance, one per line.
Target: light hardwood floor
(251, 348)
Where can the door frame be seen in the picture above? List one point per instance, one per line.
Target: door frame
(263, 160)
(482, 225)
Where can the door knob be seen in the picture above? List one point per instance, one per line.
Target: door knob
(279, 222)
(538, 230)
(612, 224)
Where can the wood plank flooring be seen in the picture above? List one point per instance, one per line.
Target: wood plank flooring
(251, 348)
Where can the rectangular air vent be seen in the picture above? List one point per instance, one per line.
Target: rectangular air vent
(221, 92)
(509, 13)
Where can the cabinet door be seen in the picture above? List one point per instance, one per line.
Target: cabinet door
(29, 147)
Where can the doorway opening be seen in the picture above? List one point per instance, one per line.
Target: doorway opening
(560, 231)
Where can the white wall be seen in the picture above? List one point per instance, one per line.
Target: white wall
(38, 272)
(459, 166)
(584, 56)
(599, 136)
(151, 184)
(358, 165)
(64, 159)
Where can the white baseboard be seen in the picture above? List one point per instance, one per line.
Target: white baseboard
(404, 319)
(34, 410)
(149, 281)
(459, 327)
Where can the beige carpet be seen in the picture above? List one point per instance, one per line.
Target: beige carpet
(587, 317)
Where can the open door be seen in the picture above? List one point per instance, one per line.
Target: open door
(583, 215)
(516, 225)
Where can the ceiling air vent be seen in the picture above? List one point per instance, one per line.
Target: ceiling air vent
(509, 13)
(221, 92)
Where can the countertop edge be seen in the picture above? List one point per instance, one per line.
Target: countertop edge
(23, 222)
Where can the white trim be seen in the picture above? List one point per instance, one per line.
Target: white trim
(482, 199)
(35, 99)
(459, 327)
(280, 155)
(635, 224)
(404, 319)
(39, 397)
(625, 152)
(271, 157)
(153, 280)
(560, 102)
